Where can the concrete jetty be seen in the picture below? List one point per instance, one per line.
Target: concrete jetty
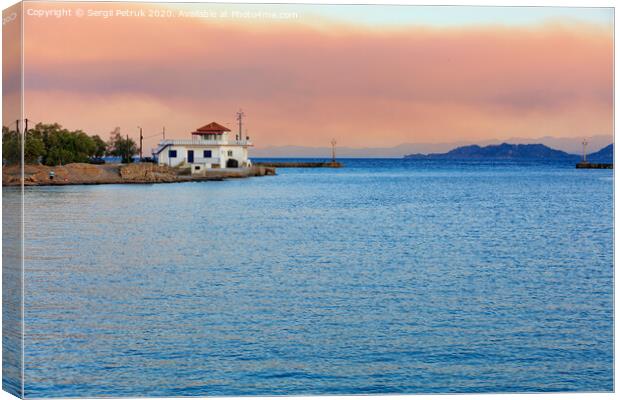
(588, 165)
(302, 164)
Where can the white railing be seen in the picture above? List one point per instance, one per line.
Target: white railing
(198, 142)
(203, 142)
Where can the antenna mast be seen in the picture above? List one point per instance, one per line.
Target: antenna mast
(333, 142)
(240, 115)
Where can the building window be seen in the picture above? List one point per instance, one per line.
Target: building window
(172, 153)
(207, 154)
(197, 168)
(230, 153)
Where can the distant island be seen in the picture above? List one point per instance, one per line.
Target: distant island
(524, 152)
(604, 155)
(569, 145)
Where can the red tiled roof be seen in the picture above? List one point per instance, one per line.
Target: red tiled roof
(211, 129)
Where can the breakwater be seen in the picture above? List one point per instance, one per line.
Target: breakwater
(141, 173)
(296, 164)
(587, 165)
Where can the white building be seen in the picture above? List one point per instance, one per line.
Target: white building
(209, 147)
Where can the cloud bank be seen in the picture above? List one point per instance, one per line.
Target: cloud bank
(302, 83)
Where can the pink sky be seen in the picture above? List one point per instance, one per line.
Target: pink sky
(302, 82)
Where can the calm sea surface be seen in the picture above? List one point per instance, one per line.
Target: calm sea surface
(387, 276)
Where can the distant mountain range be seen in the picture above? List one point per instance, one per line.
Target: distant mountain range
(604, 155)
(506, 151)
(568, 145)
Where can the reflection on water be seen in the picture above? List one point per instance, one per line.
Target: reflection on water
(383, 277)
(12, 222)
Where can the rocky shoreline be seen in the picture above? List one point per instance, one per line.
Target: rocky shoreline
(142, 173)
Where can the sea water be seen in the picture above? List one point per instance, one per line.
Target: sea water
(386, 276)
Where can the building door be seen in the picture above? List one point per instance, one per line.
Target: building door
(190, 156)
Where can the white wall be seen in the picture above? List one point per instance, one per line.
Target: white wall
(240, 154)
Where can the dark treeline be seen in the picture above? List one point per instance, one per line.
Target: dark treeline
(51, 144)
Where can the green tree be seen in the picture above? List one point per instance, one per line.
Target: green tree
(119, 146)
(34, 149)
(84, 145)
(59, 156)
(62, 146)
(11, 153)
(100, 146)
(51, 144)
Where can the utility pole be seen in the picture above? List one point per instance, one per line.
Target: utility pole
(585, 145)
(333, 142)
(141, 137)
(21, 148)
(240, 115)
(127, 145)
(25, 136)
(163, 132)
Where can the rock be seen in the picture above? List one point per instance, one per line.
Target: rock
(147, 172)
